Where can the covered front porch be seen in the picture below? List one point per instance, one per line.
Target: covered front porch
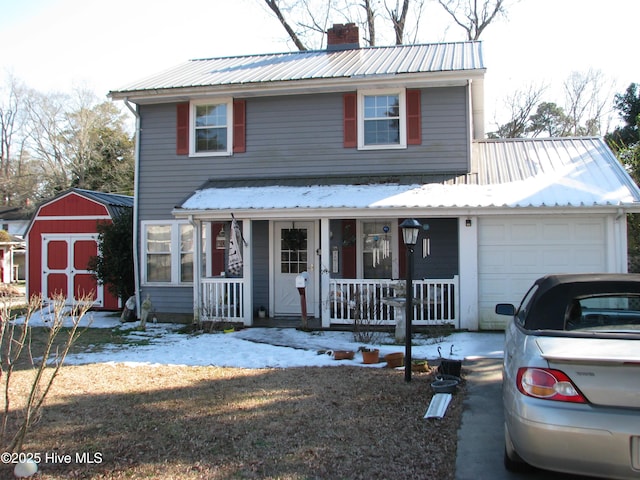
(353, 267)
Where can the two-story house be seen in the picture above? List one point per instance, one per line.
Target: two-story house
(253, 169)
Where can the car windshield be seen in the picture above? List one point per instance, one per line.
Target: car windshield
(604, 313)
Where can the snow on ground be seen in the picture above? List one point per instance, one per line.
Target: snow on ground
(263, 347)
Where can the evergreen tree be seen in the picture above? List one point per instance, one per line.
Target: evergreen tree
(113, 266)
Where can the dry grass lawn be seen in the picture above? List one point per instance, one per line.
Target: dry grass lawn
(221, 423)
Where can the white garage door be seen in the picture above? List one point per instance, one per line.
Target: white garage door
(513, 252)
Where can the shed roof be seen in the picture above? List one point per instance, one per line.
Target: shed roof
(115, 203)
(513, 173)
(263, 70)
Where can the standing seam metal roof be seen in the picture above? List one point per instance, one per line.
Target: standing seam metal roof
(365, 62)
(550, 172)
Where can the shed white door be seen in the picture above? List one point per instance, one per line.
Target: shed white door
(64, 267)
(294, 253)
(513, 252)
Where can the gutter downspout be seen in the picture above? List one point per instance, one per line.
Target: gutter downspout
(136, 177)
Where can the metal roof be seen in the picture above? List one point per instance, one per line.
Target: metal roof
(107, 199)
(313, 65)
(510, 173)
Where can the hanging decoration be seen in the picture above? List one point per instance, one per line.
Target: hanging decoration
(381, 249)
(235, 255)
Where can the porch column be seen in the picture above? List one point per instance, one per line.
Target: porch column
(325, 248)
(468, 295)
(197, 265)
(247, 272)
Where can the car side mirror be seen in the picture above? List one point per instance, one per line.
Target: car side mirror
(505, 309)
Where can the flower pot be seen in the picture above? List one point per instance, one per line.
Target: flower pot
(394, 359)
(420, 366)
(343, 355)
(370, 356)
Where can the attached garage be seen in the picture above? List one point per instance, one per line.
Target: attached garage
(62, 237)
(513, 251)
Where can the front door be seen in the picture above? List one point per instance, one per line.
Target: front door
(294, 254)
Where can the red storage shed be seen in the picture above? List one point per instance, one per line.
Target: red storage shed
(62, 237)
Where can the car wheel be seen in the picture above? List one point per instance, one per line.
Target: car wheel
(512, 461)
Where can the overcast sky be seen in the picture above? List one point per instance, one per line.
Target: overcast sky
(62, 44)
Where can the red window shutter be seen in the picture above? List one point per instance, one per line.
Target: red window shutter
(239, 126)
(182, 129)
(414, 121)
(350, 120)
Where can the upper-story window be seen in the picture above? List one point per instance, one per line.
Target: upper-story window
(382, 119)
(211, 127)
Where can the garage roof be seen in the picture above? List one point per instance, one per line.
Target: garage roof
(559, 172)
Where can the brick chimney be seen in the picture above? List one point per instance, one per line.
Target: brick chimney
(343, 37)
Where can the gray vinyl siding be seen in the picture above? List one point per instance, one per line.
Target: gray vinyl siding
(171, 303)
(297, 135)
(443, 262)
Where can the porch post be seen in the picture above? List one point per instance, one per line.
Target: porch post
(197, 265)
(325, 248)
(468, 248)
(247, 273)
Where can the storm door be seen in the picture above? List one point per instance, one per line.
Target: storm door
(294, 254)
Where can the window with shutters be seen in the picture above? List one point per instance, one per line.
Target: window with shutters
(381, 119)
(211, 128)
(208, 128)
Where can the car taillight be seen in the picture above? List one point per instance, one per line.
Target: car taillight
(548, 384)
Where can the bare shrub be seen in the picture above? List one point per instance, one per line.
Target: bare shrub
(20, 412)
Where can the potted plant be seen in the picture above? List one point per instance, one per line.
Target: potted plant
(419, 365)
(262, 312)
(394, 360)
(370, 355)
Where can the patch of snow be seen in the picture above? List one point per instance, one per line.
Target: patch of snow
(261, 347)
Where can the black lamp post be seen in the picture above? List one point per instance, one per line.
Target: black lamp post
(410, 228)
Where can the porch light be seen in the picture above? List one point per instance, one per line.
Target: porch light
(410, 229)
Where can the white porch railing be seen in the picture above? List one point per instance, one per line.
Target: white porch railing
(436, 301)
(222, 299)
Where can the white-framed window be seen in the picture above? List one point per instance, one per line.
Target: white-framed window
(382, 119)
(211, 126)
(168, 252)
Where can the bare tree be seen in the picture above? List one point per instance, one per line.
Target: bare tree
(586, 97)
(520, 105)
(46, 115)
(306, 21)
(11, 109)
(398, 18)
(277, 7)
(474, 15)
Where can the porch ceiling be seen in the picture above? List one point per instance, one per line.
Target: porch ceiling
(570, 172)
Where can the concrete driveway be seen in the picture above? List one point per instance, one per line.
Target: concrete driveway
(481, 435)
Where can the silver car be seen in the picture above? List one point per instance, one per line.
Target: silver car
(571, 378)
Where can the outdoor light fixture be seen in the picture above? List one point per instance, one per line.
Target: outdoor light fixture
(410, 229)
(467, 222)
